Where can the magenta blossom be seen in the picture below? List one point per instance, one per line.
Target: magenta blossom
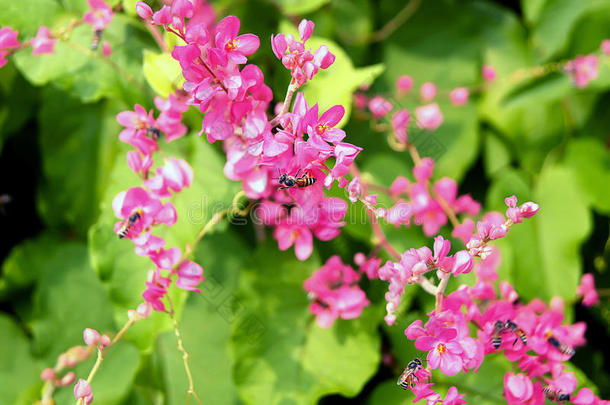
(518, 388)
(444, 351)
(379, 106)
(43, 42)
(189, 276)
(459, 96)
(583, 69)
(404, 84)
(587, 290)
(99, 16)
(230, 45)
(428, 91)
(489, 73)
(453, 397)
(429, 116)
(335, 293)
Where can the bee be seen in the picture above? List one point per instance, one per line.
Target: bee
(563, 348)
(153, 132)
(133, 218)
(97, 37)
(287, 181)
(408, 378)
(518, 331)
(496, 337)
(500, 327)
(554, 395)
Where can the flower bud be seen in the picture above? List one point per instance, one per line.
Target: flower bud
(143, 10)
(104, 341)
(67, 379)
(82, 389)
(91, 336)
(48, 374)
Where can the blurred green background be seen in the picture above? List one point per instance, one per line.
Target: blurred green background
(251, 337)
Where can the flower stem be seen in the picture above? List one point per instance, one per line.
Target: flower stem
(185, 355)
(440, 292)
(292, 87)
(100, 353)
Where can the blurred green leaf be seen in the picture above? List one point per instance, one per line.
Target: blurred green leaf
(589, 159)
(283, 356)
(298, 7)
(545, 249)
(17, 101)
(67, 299)
(555, 21)
(18, 371)
(22, 267)
(90, 75)
(162, 72)
(75, 159)
(496, 154)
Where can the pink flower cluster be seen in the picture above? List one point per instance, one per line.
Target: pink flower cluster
(335, 293)
(234, 99)
(423, 207)
(141, 208)
(538, 328)
(587, 290)
(303, 65)
(583, 69)
(414, 263)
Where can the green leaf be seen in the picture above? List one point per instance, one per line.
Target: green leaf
(90, 75)
(496, 154)
(336, 84)
(556, 21)
(205, 327)
(162, 72)
(563, 224)
(17, 101)
(18, 370)
(544, 250)
(76, 159)
(280, 354)
(67, 299)
(299, 7)
(21, 268)
(589, 159)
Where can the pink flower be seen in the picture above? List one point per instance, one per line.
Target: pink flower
(237, 48)
(400, 121)
(605, 46)
(453, 397)
(429, 116)
(427, 91)
(324, 127)
(459, 96)
(106, 49)
(189, 275)
(379, 106)
(444, 351)
(584, 397)
(583, 69)
(297, 235)
(517, 388)
(82, 389)
(100, 14)
(489, 73)
(43, 42)
(587, 290)
(143, 10)
(48, 374)
(404, 84)
(335, 293)
(8, 38)
(91, 336)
